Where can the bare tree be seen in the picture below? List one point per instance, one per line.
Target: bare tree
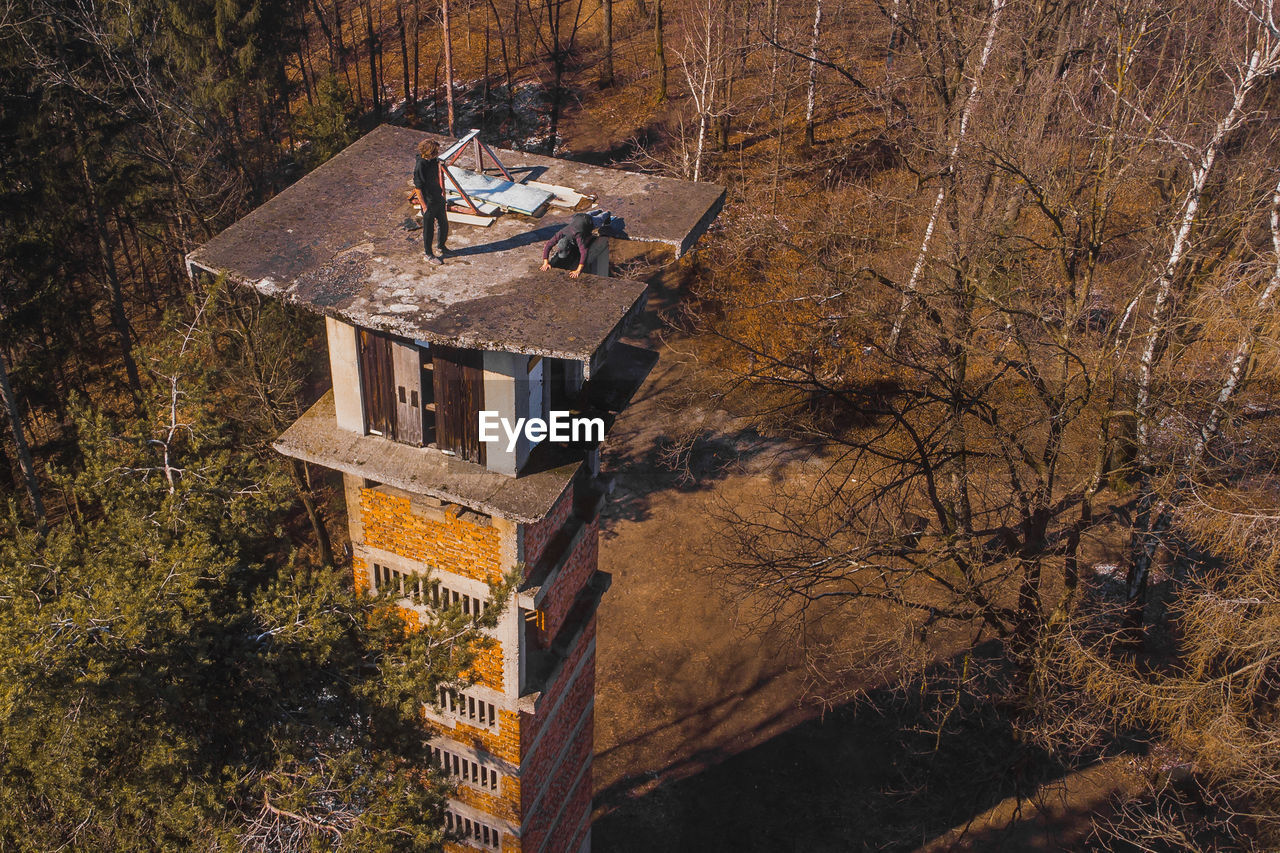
(967, 447)
(559, 23)
(948, 170)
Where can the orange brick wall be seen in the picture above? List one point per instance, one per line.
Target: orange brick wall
(449, 543)
(487, 669)
(361, 571)
(445, 541)
(505, 804)
(504, 743)
(510, 844)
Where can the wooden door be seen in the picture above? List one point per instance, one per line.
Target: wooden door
(377, 383)
(407, 373)
(459, 397)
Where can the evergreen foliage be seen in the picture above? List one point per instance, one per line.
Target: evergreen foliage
(175, 675)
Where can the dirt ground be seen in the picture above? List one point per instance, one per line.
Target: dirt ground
(709, 730)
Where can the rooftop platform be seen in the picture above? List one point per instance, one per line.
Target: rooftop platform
(335, 242)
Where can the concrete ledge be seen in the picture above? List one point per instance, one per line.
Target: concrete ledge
(316, 438)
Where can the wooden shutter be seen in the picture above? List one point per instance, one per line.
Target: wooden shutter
(428, 382)
(459, 397)
(408, 392)
(377, 383)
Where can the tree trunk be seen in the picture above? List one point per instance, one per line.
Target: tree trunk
(323, 544)
(119, 318)
(484, 100)
(346, 68)
(371, 40)
(417, 39)
(813, 73)
(606, 68)
(506, 60)
(404, 58)
(659, 54)
(448, 64)
(7, 482)
(706, 93)
(557, 90)
(20, 444)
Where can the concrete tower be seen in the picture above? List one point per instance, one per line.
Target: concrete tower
(415, 353)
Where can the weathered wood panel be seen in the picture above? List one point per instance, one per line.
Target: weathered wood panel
(408, 392)
(459, 397)
(377, 383)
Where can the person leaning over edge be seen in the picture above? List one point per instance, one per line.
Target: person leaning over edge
(577, 231)
(430, 186)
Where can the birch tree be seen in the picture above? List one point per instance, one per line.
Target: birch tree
(702, 56)
(812, 90)
(1253, 58)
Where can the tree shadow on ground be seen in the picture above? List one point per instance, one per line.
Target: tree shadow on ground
(664, 464)
(880, 774)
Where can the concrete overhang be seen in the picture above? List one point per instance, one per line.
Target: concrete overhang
(315, 437)
(335, 242)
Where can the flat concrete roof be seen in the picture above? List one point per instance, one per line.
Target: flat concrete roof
(316, 438)
(335, 242)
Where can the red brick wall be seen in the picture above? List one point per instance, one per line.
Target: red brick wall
(537, 535)
(548, 821)
(576, 571)
(531, 724)
(566, 834)
(542, 763)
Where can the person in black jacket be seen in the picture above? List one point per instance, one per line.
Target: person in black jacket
(430, 185)
(569, 245)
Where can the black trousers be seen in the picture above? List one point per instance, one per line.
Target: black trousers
(432, 216)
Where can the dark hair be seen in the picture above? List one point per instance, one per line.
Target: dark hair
(428, 148)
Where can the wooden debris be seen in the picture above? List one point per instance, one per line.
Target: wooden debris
(565, 197)
(469, 219)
